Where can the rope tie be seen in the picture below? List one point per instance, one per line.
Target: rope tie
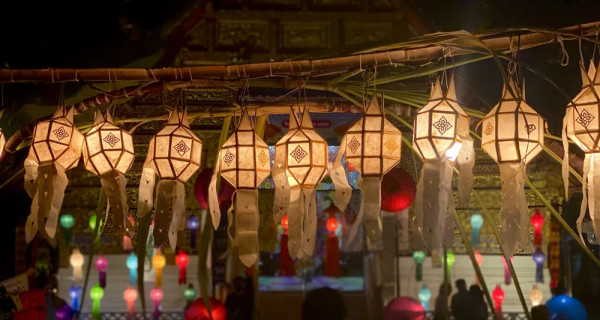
(565, 55)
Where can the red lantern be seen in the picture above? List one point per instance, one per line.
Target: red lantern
(201, 187)
(332, 249)
(397, 190)
(198, 311)
(286, 264)
(498, 296)
(537, 221)
(350, 166)
(332, 225)
(182, 260)
(284, 224)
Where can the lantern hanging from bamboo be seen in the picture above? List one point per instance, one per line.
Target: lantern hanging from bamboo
(581, 125)
(174, 154)
(108, 153)
(441, 137)
(2, 138)
(55, 148)
(130, 295)
(77, 260)
(245, 163)
(539, 257)
(96, 293)
(537, 222)
(300, 164)
(512, 135)
(536, 296)
(373, 147)
(102, 266)
(182, 259)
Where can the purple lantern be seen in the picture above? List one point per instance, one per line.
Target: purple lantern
(539, 257)
(102, 265)
(193, 223)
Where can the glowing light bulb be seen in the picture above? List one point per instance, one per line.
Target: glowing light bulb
(189, 293)
(498, 296)
(130, 295)
(156, 295)
(77, 261)
(182, 260)
(193, 223)
(75, 294)
(67, 221)
(132, 264)
(96, 293)
(424, 296)
(535, 295)
(102, 265)
(539, 257)
(158, 262)
(476, 223)
(419, 257)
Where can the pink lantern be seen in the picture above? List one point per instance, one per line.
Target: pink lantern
(498, 296)
(130, 295)
(156, 295)
(403, 308)
(506, 270)
(102, 265)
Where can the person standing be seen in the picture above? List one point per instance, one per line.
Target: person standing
(479, 308)
(461, 302)
(441, 302)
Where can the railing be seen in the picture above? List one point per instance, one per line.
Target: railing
(503, 316)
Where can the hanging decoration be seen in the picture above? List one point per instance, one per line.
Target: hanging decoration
(193, 223)
(449, 264)
(397, 190)
(498, 296)
(373, 146)
(441, 130)
(286, 264)
(476, 224)
(512, 135)
(507, 276)
(245, 163)
(300, 164)
(539, 257)
(419, 258)
(189, 293)
(55, 148)
(2, 138)
(156, 295)
(332, 249)
(92, 222)
(174, 154)
(424, 297)
(535, 295)
(479, 260)
(537, 221)
(158, 262)
(130, 295)
(67, 222)
(182, 260)
(132, 264)
(77, 261)
(108, 153)
(102, 265)
(75, 294)
(96, 293)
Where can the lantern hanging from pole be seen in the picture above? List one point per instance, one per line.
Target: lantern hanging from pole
(498, 296)
(536, 296)
(581, 125)
(174, 154)
(75, 294)
(332, 249)
(424, 297)
(76, 260)
(102, 265)
(373, 147)
(512, 135)
(419, 258)
(2, 137)
(476, 224)
(67, 221)
(108, 153)
(132, 264)
(158, 262)
(96, 293)
(507, 276)
(156, 295)
(539, 257)
(55, 148)
(449, 264)
(193, 223)
(182, 260)
(189, 293)
(300, 164)
(245, 163)
(130, 295)
(286, 264)
(537, 221)
(441, 137)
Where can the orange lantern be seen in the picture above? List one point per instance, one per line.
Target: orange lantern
(286, 264)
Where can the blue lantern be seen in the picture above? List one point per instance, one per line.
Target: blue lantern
(424, 296)
(539, 257)
(193, 223)
(75, 294)
(565, 307)
(476, 223)
(132, 264)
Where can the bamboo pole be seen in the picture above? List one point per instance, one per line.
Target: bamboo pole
(418, 50)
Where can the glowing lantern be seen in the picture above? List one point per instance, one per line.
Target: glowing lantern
(96, 293)
(581, 125)
(132, 265)
(285, 224)
(397, 190)
(245, 163)
(56, 148)
(67, 221)
(102, 265)
(507, 276)
(77, 261)
(300, 164)
(158, 262)
(479, 260)
(130, 295)
(476, 223)
(537, 221)
(2, 138)
(419, 258)
(373, 147)
(156, 295)
(539, 257)
(535, 295)
(424, 297)
(193, 223)
(108, 153)
(332, 249)
(189, 293)
(332, 225)
(182, 260)
(449, 264)
(441, 136)
(174, 154)
(286, 264)
(92, 222)
(75, 294)
(512, 135)
(498, 296)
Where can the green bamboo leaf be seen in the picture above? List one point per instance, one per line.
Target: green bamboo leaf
(140, 250)
(205, 242)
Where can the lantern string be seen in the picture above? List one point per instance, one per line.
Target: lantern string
(565, 55)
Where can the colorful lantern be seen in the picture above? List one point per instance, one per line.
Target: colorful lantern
(2, 138)
(182, 260)
(512, 135)
(77, 261)
(398, 190)
(419, 257)
(449, 264)
(581, 125)
(498, 296)
(67, 221)
(424, 297)
(55, 148)
(132, 265)
(158, 262)
(479, 260)
(476, 223)
(75, 294)
(332, 249)
(300, 164)
(537, 221)
(245, 163)
(189, 293)
(535, 295)
(441, 130)
(174, 154)
(373, 146)
(130, 295)
(102, 265)
(286, 264)
(96, 293)
(507, 276)
(197, 310)
(92, 222)
(156, 295)
(539, 257)
(193, 223)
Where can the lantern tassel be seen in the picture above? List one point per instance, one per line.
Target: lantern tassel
(565, 162)
(466, 162)
(170, 207)
(114, 185)
(50, 184)
(213, 198)
(146, 192)
(282, 197)
(475, 237)
(309, 230)
(295, 223)
(515, 230)
(246, 228)
(593, 200)
(343, 191)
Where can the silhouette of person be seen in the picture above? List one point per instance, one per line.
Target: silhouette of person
(323, 304)
(240, 302)
(540, 312)
(461, 301)
(441, 302)
(479, 308)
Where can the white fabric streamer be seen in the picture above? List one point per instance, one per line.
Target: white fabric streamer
(514, 207)
(246, 228)
(114, 186)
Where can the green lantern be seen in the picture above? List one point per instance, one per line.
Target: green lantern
(92, 222)
(96, 294)
(189, 293)
(419, 257)
(67, 221)
(449, 264)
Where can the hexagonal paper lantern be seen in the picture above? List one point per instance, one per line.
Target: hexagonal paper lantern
(512, 135)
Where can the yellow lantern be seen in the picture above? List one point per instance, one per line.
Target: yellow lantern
(108, 152)
(300, 164)
(536, 296)
(373, 146)
(441, 135)
(174, 154)
(581, 125)
(77, 260)
(56, 147)
(158, 262)
(512, 135)
(245, 163)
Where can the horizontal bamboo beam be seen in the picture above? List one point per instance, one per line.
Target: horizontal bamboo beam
(418, 50)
